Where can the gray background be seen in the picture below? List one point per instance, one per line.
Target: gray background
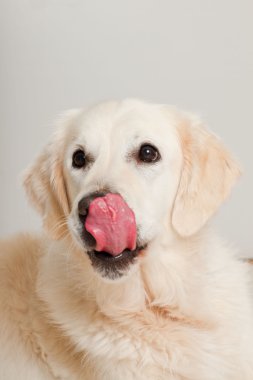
(58, 54)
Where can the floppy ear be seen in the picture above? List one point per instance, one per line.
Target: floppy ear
(45, 185)
(207, 177)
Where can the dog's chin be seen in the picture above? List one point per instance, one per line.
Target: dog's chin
(114, 267)
(104, 264)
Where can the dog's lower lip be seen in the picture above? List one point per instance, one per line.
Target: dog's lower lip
(107, 256)
(114, 266)
(123, 256)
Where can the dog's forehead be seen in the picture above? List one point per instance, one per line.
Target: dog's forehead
(126, 121)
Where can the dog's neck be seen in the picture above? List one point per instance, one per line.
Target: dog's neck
(154, 285)
(153, 296)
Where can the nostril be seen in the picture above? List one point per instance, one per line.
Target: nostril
(83, 204)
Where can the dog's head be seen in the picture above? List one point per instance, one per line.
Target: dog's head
(159, 165)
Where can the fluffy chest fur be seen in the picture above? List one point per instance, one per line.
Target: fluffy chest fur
(150, 327)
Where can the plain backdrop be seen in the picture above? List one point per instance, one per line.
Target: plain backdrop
(58, 54)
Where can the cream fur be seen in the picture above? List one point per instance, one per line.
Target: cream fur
(184, 310)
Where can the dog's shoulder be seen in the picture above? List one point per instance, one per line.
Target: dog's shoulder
(18, 272)
(18, 257)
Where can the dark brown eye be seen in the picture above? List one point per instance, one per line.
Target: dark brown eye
(78, 159)
(149, 154)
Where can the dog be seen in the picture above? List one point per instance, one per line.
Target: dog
(128, 280)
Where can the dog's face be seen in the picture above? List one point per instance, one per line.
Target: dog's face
(131, 151)
(167, 169)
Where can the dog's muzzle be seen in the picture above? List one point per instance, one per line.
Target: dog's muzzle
(109, 233)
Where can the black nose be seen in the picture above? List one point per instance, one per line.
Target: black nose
(83, 209)
(84, 203)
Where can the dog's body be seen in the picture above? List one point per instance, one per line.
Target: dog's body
(181, 309)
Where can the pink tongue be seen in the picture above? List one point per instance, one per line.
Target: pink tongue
(112, 224)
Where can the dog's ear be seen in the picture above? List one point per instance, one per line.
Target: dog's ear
(208, 174)
(45, 184)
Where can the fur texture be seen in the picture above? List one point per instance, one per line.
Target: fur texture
(182, 311)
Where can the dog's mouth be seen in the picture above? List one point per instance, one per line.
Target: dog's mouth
(113, 267)
(105, 256)
(109, 232)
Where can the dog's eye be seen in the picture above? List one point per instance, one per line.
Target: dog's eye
(148, 153)
(78, 159)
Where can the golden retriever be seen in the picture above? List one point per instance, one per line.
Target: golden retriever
(127, 281)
